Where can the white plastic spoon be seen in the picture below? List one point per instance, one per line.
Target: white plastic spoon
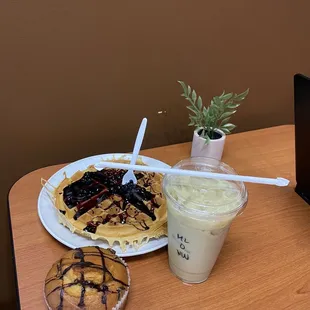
(129, 175)
(201, 174)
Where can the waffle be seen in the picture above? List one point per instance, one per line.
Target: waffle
(96, 205)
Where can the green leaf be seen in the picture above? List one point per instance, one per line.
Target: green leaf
(191, 102)
(238, 99)
(199, 103)
(188, 90)
(227, 96)
(225, 130)
(226, 114)
(217, 102)
(207, 139)
(192, 109)
(205, 112)
(225, 121)
(193, 119)
(205, 136)
(222, 94)
(241, 96)
(210, 112)
(245, 93)
(229, 126)
(214, 106)
(194, 96)
(233, 106)
(183, 86)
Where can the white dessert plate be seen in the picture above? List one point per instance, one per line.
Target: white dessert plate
(48, 215)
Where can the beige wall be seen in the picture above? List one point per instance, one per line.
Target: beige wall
(77, 76)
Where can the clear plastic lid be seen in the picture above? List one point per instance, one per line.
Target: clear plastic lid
(205, 197)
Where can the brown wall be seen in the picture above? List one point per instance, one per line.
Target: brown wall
(78, 76)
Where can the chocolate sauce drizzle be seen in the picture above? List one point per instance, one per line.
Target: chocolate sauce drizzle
(94, 187)
(80, 254)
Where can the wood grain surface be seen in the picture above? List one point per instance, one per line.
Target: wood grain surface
(265, 261)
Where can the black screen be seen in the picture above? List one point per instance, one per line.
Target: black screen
(7, 265)
(302, 133)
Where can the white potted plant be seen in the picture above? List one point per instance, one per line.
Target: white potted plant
(212, 122)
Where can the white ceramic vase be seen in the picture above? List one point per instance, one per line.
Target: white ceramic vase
(214, 149)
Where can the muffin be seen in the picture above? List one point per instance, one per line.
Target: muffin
(96, 205)
(87, 278)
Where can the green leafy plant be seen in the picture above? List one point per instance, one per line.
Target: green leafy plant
(216, 116)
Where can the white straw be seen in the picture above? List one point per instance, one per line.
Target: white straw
(200, 174)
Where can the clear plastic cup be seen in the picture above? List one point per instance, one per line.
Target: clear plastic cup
(200, 212)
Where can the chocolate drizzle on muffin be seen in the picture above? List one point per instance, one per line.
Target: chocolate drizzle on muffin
(88, 272)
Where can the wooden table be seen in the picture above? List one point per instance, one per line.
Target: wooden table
(264, 264)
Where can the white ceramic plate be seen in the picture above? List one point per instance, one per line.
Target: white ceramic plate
(48, 216)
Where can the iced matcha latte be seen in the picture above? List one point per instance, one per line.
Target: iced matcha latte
(200, 212)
